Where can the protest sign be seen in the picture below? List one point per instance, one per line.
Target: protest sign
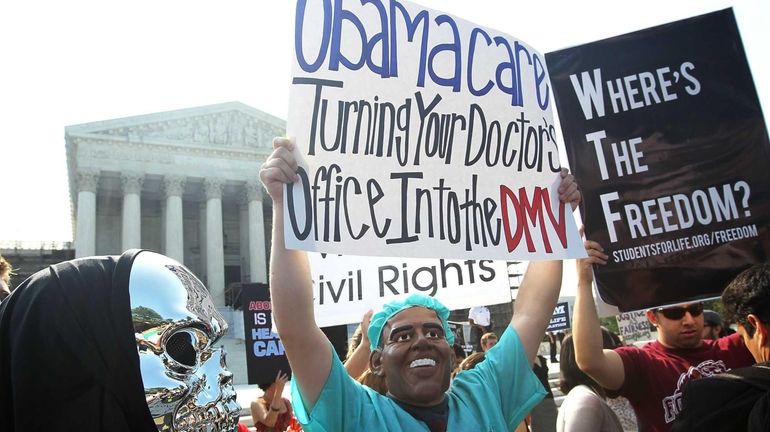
(264, 350)
(634, 327)
(560, 318)
(420, 134)
(345, 287)
(666, 137)
(460, 329)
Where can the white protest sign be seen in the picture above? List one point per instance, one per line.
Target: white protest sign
(345, 287)
(634, 327)
(420, 134)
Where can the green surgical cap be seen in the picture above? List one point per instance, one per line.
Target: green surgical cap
(391, 308)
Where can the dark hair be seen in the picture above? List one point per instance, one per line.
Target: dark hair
(748, 293)
(459, 351)
(571, 376)
(610, 340)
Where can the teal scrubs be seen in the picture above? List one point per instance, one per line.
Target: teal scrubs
(496, 395)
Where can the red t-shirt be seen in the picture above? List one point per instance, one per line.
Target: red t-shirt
(656, 375)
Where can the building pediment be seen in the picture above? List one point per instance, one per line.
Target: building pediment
(230, 125)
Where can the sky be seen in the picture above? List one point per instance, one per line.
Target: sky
(65, 63)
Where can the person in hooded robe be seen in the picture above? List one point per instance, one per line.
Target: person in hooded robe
(86, 337)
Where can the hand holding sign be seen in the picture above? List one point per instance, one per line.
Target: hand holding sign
(568, 189)
(597, 256)
(279, 168)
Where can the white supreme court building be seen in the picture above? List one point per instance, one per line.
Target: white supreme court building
(183, 183)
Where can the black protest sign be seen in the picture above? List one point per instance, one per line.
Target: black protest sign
(264, 350)
(458, 329)
(665, 135)
(560, 317)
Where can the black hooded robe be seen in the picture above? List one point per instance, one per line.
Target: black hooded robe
(68, 356)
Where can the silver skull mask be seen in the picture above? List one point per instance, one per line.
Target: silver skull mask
(186, 381)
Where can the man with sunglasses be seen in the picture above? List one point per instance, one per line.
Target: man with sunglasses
(651, 377)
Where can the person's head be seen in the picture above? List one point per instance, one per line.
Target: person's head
(459, 355)
(5, 278)
(411, 349)
(176, 328)
(570, 374)
(5, 270)
(268, 388)
(136, 346)
(488, 340)
(679, 326)
(712, 324)
(747, 303)
(5, 290)
(471, 361)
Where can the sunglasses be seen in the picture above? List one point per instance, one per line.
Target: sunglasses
(677, 312)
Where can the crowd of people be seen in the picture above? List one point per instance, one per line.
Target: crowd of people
(496, 388)
(403, 370)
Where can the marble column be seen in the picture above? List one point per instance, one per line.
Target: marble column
(174, 186)
(85, 230)
(132, 210)
(202, 238)
(243, 235)
(257, 250)
(215, 253)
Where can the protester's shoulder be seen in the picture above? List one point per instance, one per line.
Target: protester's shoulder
(725, 386)
(635, 351)
(722, 400)
(509, 338)
(757, 376)
(583, 392)
(732, 350)
(727, 342)
(581, 397)
(638, 358)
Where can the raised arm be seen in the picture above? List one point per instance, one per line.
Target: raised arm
(267, 411)
(307, 348)
(539, 290)
(604, 366)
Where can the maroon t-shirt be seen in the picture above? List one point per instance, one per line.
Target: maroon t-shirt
(656, 375)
